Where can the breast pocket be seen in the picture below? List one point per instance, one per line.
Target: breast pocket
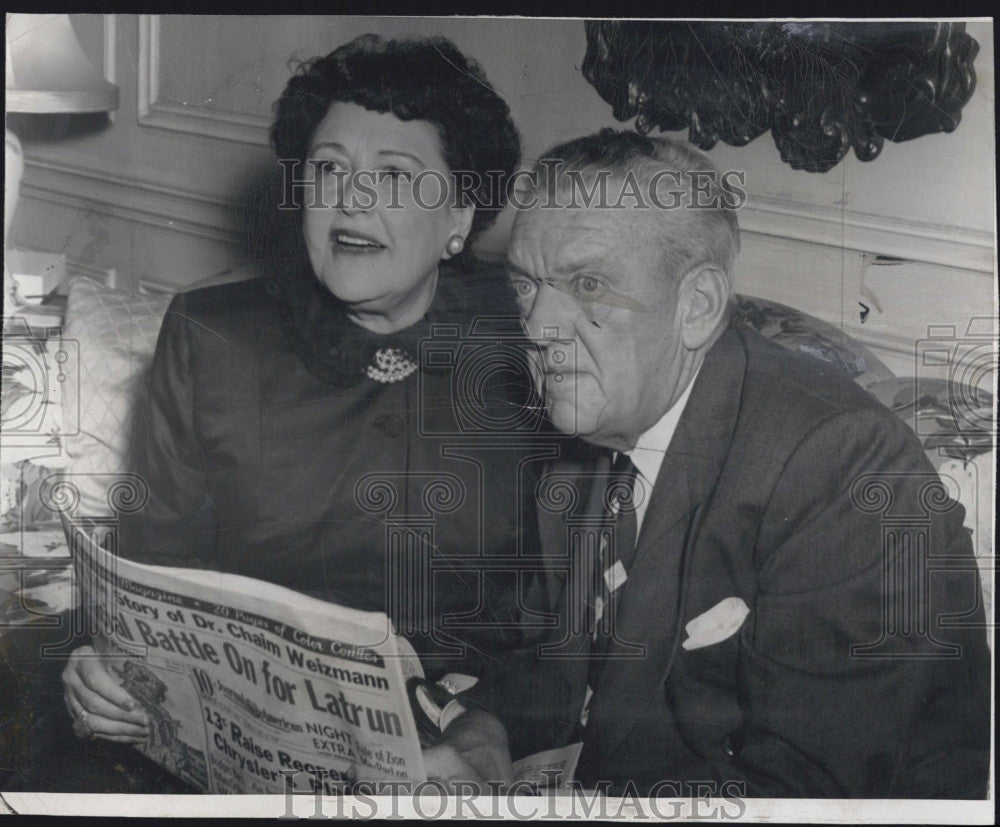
(715, 663)
(702, 690)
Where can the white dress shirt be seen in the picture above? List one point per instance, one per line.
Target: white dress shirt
(647, 456)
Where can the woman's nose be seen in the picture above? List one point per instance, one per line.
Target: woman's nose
(357, 193)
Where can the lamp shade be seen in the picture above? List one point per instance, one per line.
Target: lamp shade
(47, 70)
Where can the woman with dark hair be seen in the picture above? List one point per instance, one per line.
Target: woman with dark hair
(293, 432)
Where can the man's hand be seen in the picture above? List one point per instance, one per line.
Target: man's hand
(474, 749)
(98, 706)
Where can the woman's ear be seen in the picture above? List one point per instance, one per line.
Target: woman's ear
(461, 225)
(703, 299)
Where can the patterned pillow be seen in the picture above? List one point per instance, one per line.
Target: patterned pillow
(801, 332)
(116, 333)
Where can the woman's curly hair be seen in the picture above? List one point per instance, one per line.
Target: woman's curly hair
(426, 79)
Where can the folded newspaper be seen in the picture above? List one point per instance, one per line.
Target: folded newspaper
(254, 688)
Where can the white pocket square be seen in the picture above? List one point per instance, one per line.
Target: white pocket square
(722, 621)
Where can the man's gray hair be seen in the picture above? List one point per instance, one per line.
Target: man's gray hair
(711, 233)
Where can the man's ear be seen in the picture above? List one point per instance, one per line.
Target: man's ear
(703, 301)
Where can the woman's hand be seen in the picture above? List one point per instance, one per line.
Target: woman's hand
(98, 706)
(473, 750)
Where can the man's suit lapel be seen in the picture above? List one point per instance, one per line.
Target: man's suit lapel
(552, 532)
(572, 472)
(648, 608)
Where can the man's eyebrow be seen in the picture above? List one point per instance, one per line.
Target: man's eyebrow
(515, 270)
(568, 265)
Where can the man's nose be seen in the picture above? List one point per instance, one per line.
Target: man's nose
(551, 313)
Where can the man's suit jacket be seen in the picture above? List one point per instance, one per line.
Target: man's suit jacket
(788, 487)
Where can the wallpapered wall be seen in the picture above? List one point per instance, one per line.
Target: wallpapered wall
(151, 199)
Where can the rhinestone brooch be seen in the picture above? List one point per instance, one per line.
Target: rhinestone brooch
(391, 365)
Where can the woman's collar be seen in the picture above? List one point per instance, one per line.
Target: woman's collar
(340, 351)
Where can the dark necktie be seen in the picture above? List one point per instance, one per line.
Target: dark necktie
(623, 474)
(616, 550)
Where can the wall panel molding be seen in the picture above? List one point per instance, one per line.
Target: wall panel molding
(181, 117)
(130, 199)
(867, 233)
(208, 216)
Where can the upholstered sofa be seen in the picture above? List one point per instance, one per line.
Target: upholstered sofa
(88, 378)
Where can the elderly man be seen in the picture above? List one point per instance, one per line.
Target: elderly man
(736, 618)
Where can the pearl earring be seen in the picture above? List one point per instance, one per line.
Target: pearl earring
(455, 244)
